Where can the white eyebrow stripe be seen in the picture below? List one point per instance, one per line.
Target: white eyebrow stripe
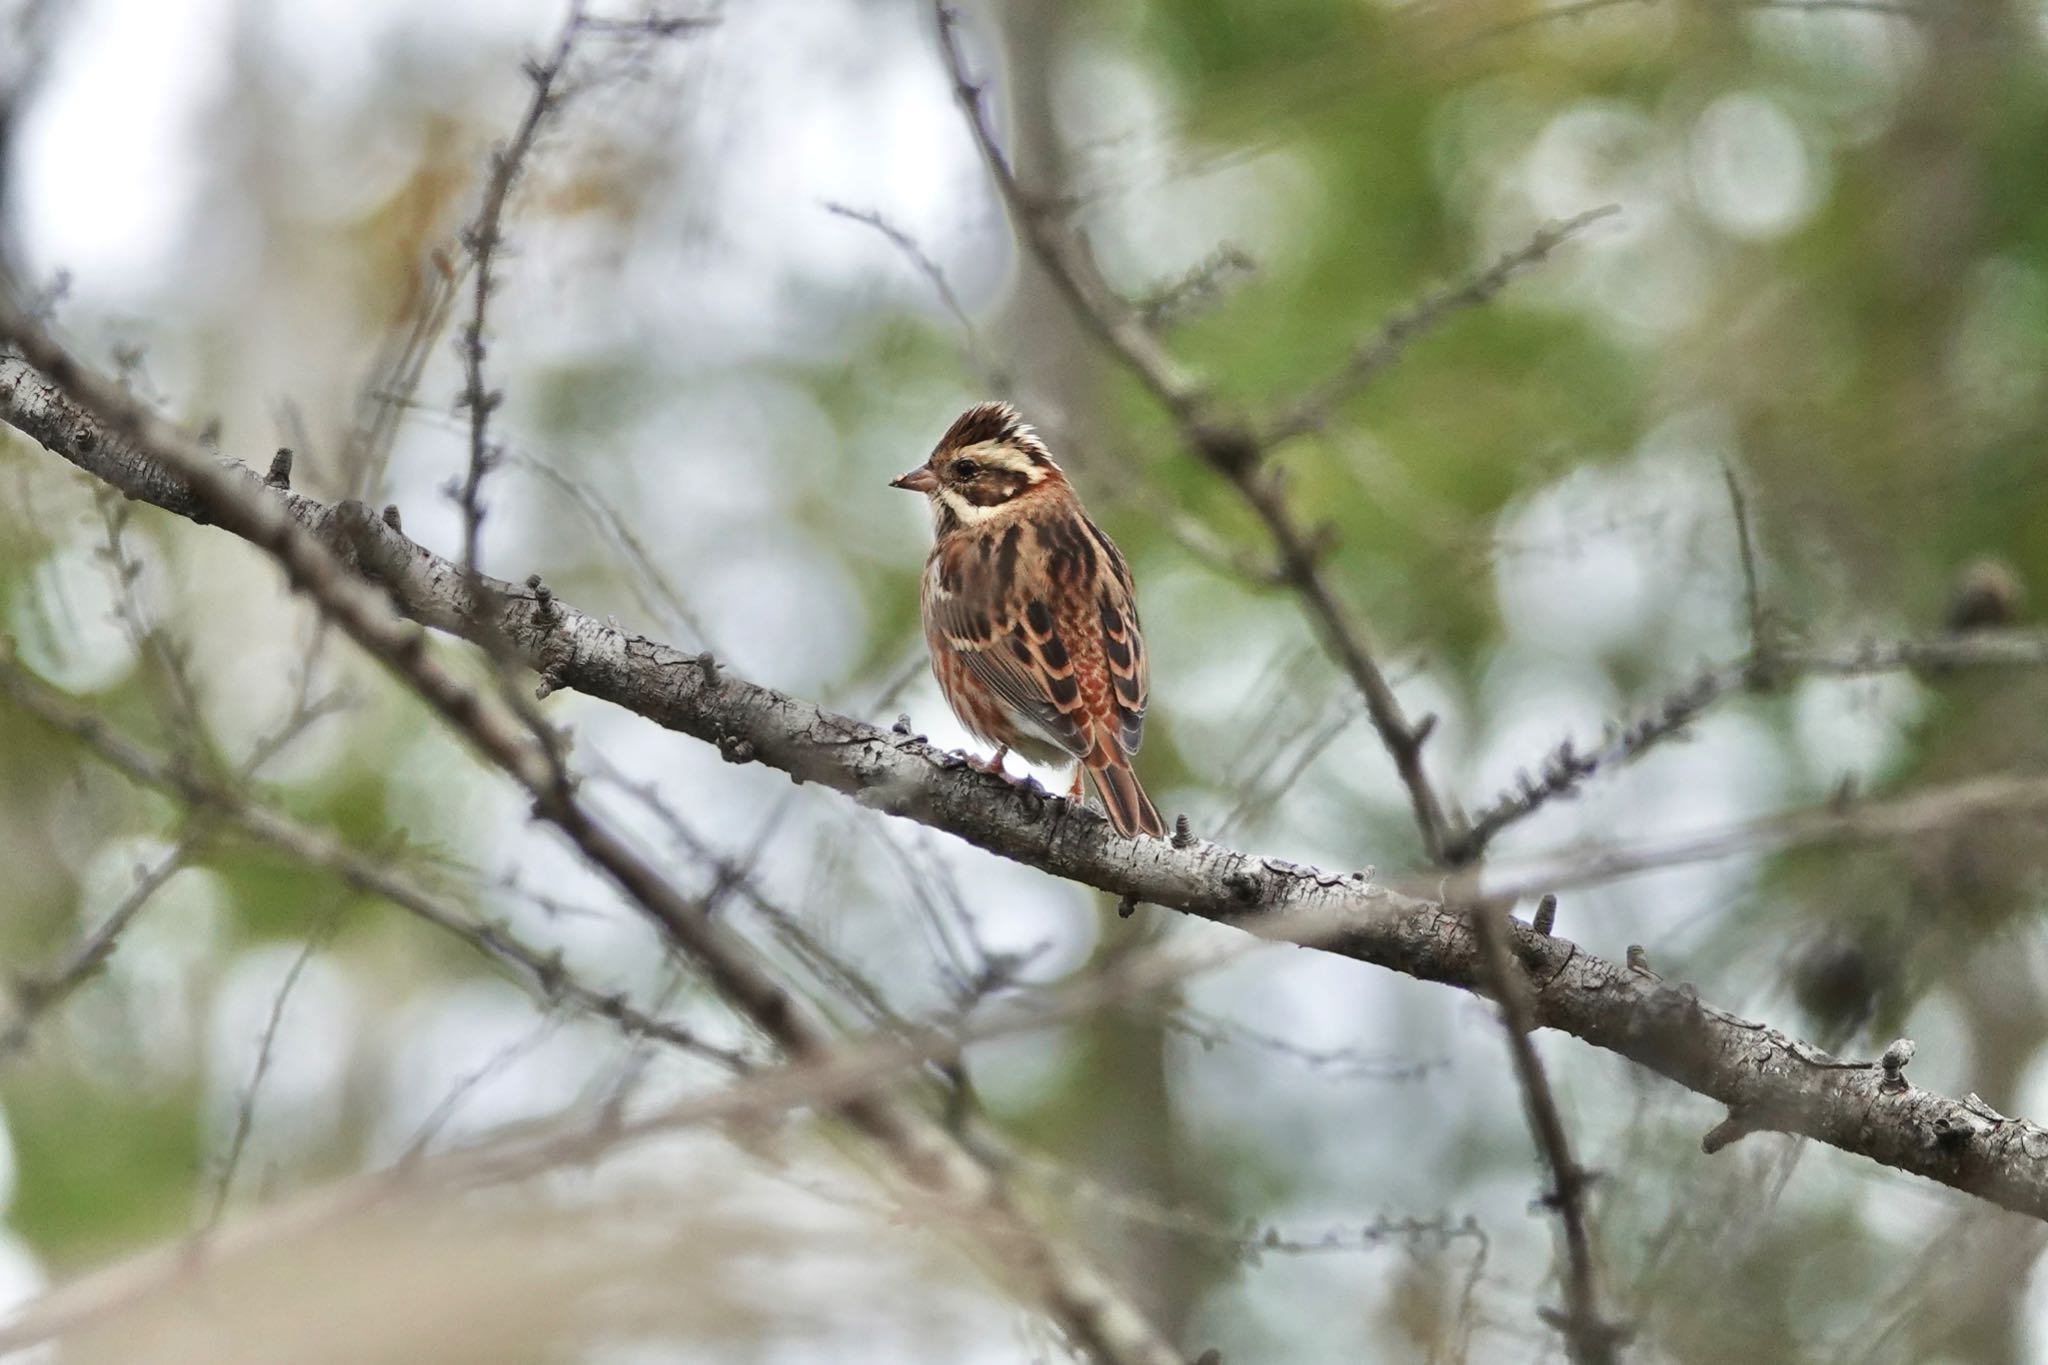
(1003, 455)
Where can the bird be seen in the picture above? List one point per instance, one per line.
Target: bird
(1029, 612)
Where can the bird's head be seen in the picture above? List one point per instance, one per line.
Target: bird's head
(987, 461)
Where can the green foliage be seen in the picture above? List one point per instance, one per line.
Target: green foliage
(102, 1166)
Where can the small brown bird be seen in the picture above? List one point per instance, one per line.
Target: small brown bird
(1029, 612)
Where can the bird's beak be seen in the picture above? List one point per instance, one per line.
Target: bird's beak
(918, 480)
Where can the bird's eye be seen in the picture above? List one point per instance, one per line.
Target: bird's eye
(965, 469)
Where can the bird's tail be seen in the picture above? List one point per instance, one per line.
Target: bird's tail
(1130, 810)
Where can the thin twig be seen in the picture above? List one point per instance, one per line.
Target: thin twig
(174, 694)
(1588, 1338)
(1762, 669)
(384, 399)
(921, 261)
(482, 240)
(466, 1085)
(35, 996)
(665, 598)
(1196, 289)
(1565, 769)
(539, 970)
(1580, 9)
(245, 1108)
(1977, 801)
(1340, 1063)
(1313, 411)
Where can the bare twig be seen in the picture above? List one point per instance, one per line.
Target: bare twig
(1118, 327)
(1268, 787)
(1580, 9)
(1313, 411)
(174, 694)
(1762, 671)
(1342, 1063)
(921, 261)
(1978, 801)
(387, 395)
(1589, 1339)
(653, 24)
(1567, 767)
(1197, 288)
(35, 996)
(541, 971)
(266, 1044)
(466, 1085)
(482, 240)
(664, 597)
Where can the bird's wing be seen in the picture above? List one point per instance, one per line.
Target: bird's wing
(981, 605)
(1123, 646)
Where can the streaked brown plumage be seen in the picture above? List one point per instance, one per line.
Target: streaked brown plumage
(1029, 611)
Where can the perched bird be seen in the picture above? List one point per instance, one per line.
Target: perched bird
(1029, 613)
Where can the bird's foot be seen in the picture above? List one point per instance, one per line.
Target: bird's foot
(992, 766)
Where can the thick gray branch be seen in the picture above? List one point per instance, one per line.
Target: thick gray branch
(1769, 1080)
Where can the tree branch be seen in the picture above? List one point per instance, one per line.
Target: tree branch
(217, 801)
(1775, 1081)
(36, 995)
(1314, 410)
(1589, 1339)
(482, 238)
(1567, 768)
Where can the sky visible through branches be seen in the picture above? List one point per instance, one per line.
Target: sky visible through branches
(1592, 450)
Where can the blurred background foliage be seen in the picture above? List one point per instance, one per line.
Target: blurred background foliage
(1827, 279)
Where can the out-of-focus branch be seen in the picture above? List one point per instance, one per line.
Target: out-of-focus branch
(1762, 639)
(1589, 1339)
(1573, 10)
(233, 808)
(36, 995)
(1060, 1279)
(518, 1153)
(1566, 768)
(266, 1051)
(651, 584)
(1978, 801)
(481, 239)
(920, 260)
(1781, 1082)
(1313, 411)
